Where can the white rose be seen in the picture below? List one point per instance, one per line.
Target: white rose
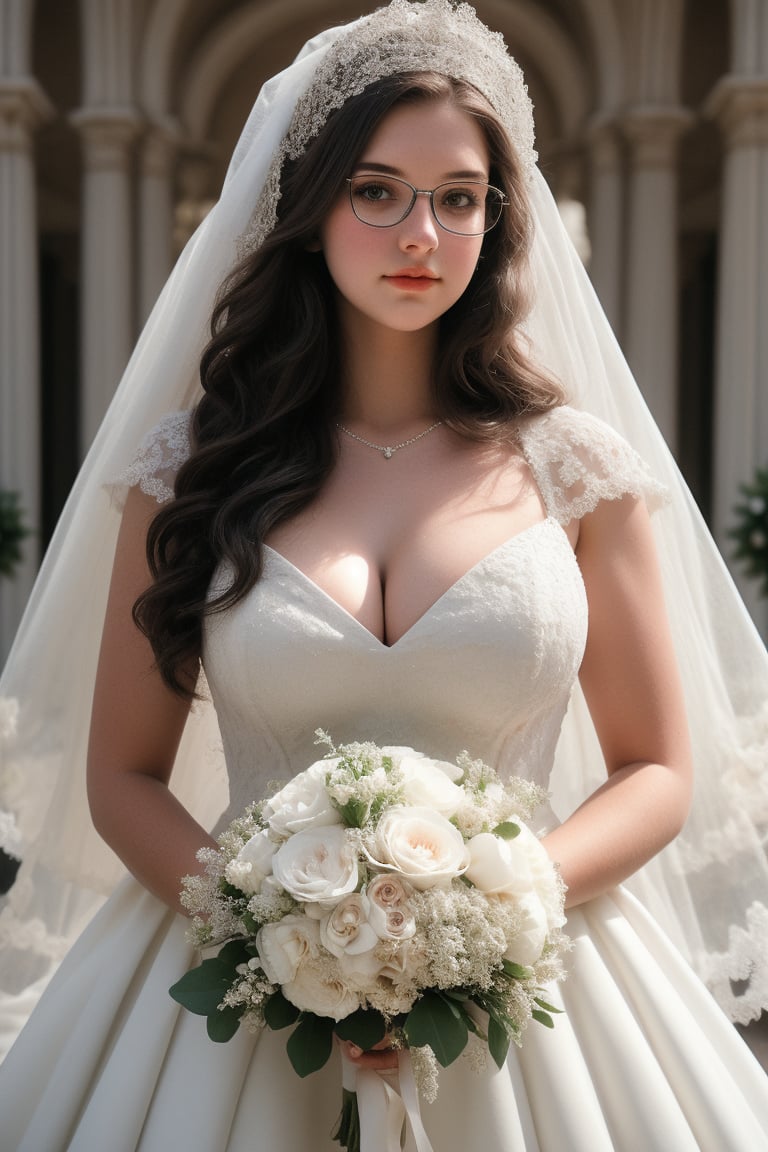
(528, 944)
(346, 928)
(392, 923)
(515, 869)
(252, 864)
(285, 945)
(360, 969)
(397, 751)
(427, 784)
(303, 802)
(421, 845)
(314, 989)
(318, 864)
(387, 891)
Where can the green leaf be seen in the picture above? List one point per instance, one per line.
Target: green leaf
(223, 1024)
(234, 953)
(518, 971)
(202, 989)
(470, 1023)
(279, 1012)
(543, 1018)
(498, 1041)
(434, 1021)
(547, 1007)
(507, 831)
(310, 1043)
(364, 1028)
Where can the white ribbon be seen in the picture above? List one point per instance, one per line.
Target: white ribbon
(386, 1102)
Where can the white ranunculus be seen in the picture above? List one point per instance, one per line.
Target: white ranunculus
(314, 989)
(421, 845)
(317, 864)
(252, 864)
(346, 928)
(303, 802)
(427, 784)
(285, 945)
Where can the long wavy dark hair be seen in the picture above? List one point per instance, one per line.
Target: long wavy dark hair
(264, 436)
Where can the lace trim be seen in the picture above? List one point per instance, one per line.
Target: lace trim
(31, 936)
(160, 455)
(433, 35)
(738, 977)
(578, 460)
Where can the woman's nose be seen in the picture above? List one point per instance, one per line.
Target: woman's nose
(420, 229)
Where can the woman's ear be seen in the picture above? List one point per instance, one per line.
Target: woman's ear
(314, 245)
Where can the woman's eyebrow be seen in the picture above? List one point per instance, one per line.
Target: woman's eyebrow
(388, 170)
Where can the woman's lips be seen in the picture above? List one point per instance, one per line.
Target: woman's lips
(413, 279)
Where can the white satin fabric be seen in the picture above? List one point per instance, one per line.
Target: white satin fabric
(642, 1058)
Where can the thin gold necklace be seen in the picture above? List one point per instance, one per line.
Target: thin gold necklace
(388, 450)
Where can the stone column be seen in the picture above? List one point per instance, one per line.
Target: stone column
(22, 107)
(606, 216)
(740, 104)
(107, 319)
(650, 326)
(155, 216)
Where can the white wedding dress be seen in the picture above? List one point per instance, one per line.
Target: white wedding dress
(642, 1059)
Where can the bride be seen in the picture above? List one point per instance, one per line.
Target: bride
(392, 512)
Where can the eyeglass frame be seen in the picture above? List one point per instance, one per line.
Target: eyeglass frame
(503, 201)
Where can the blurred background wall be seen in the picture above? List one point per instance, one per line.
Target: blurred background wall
(117, 118)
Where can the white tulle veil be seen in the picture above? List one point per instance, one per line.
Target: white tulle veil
(709, 890)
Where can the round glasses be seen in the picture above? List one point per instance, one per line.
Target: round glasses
(465, 207)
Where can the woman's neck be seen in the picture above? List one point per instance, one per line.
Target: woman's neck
(387, 381)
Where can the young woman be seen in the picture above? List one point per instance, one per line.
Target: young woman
(381, 518)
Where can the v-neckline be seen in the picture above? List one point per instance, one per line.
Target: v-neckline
(471, 571)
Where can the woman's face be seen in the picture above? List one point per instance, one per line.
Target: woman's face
(404, 277)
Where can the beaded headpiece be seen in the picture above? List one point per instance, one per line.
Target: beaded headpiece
(406, 36)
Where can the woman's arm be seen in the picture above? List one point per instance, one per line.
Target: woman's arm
(632, 687)
(136, 726)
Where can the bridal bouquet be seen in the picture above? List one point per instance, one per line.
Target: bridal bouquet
(379, 893)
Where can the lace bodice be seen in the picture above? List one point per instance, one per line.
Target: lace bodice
(489, 667)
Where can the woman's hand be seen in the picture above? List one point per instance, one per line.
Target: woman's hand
(381, 1058)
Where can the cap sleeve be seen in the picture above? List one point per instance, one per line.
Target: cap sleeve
(160, 455)
(578, 460)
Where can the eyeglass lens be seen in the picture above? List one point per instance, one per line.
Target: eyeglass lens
(467, 207)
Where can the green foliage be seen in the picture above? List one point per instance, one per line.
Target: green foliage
(507, 831)
(364, 1028)
(348, 1127)
(12, 532)
(309, 1045)
(279, 1012)
(751, 530)
(439, 1022)
(202, 989)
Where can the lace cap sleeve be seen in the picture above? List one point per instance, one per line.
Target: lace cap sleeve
(160, 455)
(578, 460)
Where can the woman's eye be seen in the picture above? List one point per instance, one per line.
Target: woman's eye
(373, 192)
(459, 198)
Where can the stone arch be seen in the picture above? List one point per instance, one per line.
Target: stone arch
(538, 34)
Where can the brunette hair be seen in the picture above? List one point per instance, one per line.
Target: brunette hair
(263, 433)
